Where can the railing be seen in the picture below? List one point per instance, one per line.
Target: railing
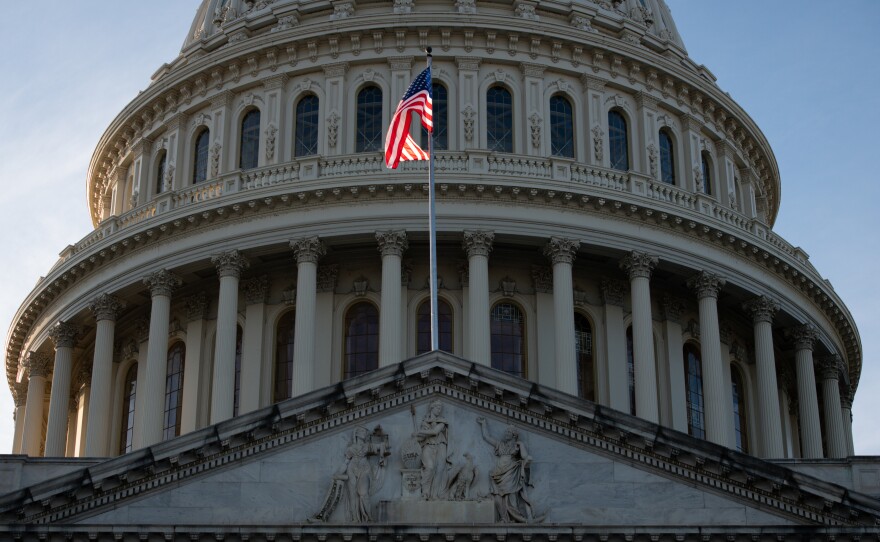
(198, 193)
(603, 178)
(351, 165)
(271, 176)
(136, 215)
(526, 167)
(672, 195)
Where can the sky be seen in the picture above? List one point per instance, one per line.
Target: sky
(807, 72)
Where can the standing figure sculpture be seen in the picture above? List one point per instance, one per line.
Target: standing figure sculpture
(509, 479)
(433, 435)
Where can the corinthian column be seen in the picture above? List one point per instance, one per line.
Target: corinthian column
(19, 396)
(717, 398)
(105, 308)
(846, 414)
(562, 253)
(478, 245)
(836, 437)
(392, 245)
(162, 284)
(64, 337)
(762, 310)
(639, 267)
(38, 367)
(808, 405)
(307, 252)
(229, 267)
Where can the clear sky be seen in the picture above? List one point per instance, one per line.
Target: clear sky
(807, 72)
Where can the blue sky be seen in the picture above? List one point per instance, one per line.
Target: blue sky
(807, 72)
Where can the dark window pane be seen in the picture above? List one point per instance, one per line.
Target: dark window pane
(707, 173)
(369, 120)
(237, 392)
(361, 339)
(508, 338)
(200, 161)
(423, 326)
(306, 137)
(499, 119)
(250, 140)
(440, 111)
(160, 173)
(174, 390)
(667, 159)
(561, 127)
(693, 385)
(618, 142)
(128, 402)
(583, 341)
(284, 356)
(631, 370)
(739, 410)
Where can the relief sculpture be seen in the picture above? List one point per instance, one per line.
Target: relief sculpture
(433, 436)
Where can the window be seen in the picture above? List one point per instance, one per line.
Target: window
(583, 348)
(706, 168)
(249, 152)
(739, 410)
(284, 335)
(631, 370)
(618, 141)
(173, 390)
(693, 386)
(667, 159)
(508, 331)
(423, 326)
(561, 127)
(237, 392)
(440, 113)
(200, 158)
(369, 120)
(160, 172)
(306, 134)
(499, 119)
(128, 401)
(361, 339)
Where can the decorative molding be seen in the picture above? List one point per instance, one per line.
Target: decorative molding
(327, 275)
(613, 291)
(672, 308)
(255, 289)
(542, 276)
(196, 307)
(39, 364)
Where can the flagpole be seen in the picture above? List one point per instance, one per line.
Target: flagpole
(432, 214)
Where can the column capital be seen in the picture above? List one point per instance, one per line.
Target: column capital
(804, 336)
(106, 307)
(639, 264)
(255, 290)
(308, 249)
(706, 284)
(327, 275)
(613, 292)
(63, 335)
(673, 308)
(562, 250)
(478, 242)
(196, 307)
(38, 364)
(162, 282)
(83, 377)
(230, 263)
(392, 243)
(543, 279)
(142, 329)
(762, 308)
(846, 400)
(829, 367)
(19, 394)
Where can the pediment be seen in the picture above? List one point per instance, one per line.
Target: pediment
(437, 440)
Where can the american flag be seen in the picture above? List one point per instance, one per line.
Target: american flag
(399, 145)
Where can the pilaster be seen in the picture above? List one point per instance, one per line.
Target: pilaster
(613, 292)
(255, 292)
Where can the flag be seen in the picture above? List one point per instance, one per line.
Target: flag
(399, 145)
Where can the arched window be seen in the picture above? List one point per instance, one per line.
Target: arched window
(738, 391)
(249, 152)
(499, 119)
(284, 356)
(706, 168)
(160, 172)
(583, 341)
(126, 433)
(305, 139)
(561, 127)
(631, 370)
(173, 390)
(440, 114)
(693, 387)
(361, 339)
(423, 326)
(369, 120)
(508, 331)
(667, 158)
(237, 393)
(200, 157)
(618, 141)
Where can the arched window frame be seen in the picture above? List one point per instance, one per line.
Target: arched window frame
(618, 140)
(500, 120)
(667, 157)
(706, 172)
(201, 151)
(440, 114)
(366, 341)
(129, 400)
(174, 373)
(369, 105)
(285, 328)
(695, 404)
(562, 133)
(306, 126)
(499, 325)
(445, 321)
(249, 139)
(585, 348)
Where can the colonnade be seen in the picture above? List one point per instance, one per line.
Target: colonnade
(307, 252)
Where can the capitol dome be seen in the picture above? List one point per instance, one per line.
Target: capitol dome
(605, 237)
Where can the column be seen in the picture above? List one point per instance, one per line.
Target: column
(716, 398)
(545, 326)
(327, 278)
(478, 245)
(142, 336)
(562, 253)
(64, 336)
(38, 366)
(808, 404)
(613, 292)
(19, 396)
(229, 267)
(639, 267)
(196, 313)
(846, 414)
(307, 252)
(82, 385)
(762, 310)
(255, 291)
(672, 310)
(105, 308)
(835, 436)
(161, 284)
(72, 418)
(392, 245)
